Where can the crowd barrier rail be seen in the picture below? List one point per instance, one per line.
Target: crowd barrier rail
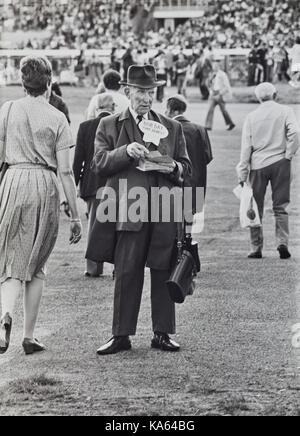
(64, 62)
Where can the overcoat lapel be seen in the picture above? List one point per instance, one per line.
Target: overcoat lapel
(126, 134)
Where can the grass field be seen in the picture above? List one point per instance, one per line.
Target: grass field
(236, 331)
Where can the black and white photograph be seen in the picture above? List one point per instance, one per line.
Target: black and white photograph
(149, 210)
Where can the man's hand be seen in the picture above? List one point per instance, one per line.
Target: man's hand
(169, 170)
(137, 151)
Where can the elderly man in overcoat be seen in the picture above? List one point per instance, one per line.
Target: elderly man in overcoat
(134, 244)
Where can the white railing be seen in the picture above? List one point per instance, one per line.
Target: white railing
(181, 4)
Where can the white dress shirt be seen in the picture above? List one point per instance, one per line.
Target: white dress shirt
(135, 115)
(270, 134)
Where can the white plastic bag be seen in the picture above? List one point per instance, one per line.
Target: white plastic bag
(198, 224)
(249, 215)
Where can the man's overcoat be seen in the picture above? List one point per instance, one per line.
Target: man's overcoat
(112, 161)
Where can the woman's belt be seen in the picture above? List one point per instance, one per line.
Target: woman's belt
(31, 166)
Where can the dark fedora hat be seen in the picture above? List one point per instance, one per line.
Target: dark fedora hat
(142, 77)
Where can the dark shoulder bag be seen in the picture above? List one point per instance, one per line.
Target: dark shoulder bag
(4, 165)
(187, 265)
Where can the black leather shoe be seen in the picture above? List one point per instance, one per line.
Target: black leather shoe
(92, 276)
(255, 255)
(115, 345)
(5, 326)
(162, 341)
(31, 346)
(231, 127)
(284, 252)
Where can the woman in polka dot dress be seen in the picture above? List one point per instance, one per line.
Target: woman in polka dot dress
(35, 138)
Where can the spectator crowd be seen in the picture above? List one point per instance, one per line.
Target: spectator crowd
(104, 24)
(268, 28)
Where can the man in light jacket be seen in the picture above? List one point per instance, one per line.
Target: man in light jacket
(110, 82)
(270, 141)
(220, 90)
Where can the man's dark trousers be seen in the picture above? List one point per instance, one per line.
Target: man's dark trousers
(93, 268)
(130, 260)
(210, 116)
(279, 175)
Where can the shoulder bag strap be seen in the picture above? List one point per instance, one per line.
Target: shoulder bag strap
(6, 127)
(181, 231)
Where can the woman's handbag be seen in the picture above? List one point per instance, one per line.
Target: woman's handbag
(182, 280)
(3, 164)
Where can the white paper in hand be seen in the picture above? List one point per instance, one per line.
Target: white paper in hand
(153, 131)
(198, 223)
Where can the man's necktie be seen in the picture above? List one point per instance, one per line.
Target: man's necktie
(139, 120)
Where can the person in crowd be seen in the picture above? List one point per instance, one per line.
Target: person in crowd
(285, 66)
(295, 64)
(127, 60)
(29, 195)
(181, 69)
(169, 56)
(269, 143)
(115, 63)
(202, 72)
(220, 89)
(96, 69)
(252, 66)
(159, 64)
(270, 64)
(57, 101)
(84, 178)
(111, 83)
(262, 62)
(80, 68)
(281, 62)
(119, 146)
(197, 141)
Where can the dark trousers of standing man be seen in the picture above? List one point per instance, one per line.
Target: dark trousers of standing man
(279, 175)
(217, 101)
(130, 260)
(92, 268)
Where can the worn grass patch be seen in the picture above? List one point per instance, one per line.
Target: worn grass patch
(33, 395)
(33, 385)
(234, 404)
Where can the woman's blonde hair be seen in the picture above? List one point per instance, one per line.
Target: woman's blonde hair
(36, 72)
